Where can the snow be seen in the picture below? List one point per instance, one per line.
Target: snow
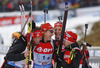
(7, 31)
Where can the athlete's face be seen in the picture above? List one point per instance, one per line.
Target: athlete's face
(58, 32)
(66, 43)
(36, 40)
(48, 34)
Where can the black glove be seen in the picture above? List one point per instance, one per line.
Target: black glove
(58, 59)
(23, 38)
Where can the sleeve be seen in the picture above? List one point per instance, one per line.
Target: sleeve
(64, 64)
(55, 49)
(76, 60)
(87, 53)
(74, 63)
(15, 57)
(15, 51)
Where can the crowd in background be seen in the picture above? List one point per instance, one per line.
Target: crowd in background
(12, 5)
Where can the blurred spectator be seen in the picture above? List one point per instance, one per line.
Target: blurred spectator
(36, 3)
(1, 2)
(74, 4)
(46, 3)
(52, 4)
(1, 40)
(12, 5)
(98, 2)
(61, 6)
(41, 4)
(89, 2)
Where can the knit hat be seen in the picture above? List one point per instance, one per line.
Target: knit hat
(70, 36)
(58, 24)
(37, 33)
(46, 27)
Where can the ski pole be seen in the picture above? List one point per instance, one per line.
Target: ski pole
(59, 18)
(22, 17)
(86, 27)
(83, 54)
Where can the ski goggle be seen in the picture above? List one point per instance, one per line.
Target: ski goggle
(51, 31)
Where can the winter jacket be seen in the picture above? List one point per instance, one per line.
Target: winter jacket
(15, 52)
(65, 61)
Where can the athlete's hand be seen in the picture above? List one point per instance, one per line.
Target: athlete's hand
(84, 45)
(26, 53)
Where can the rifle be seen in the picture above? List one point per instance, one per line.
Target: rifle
(84, 44)
(62, 33)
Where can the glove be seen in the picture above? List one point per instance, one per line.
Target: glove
(18, 35)
(58, 59)
(84, 43)
(69, 61)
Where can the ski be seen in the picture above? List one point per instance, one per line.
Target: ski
(22, 10)
(60, 18)
(23, 22)
(63, 28)
(63, 31)
(22, 29)
(45, 12)
(29, 15)
(29, 39)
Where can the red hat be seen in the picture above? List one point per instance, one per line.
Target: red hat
(46, 26)
(70, 37)
(58, 24)
(37, 33)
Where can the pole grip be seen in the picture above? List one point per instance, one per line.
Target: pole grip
(86, 26)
